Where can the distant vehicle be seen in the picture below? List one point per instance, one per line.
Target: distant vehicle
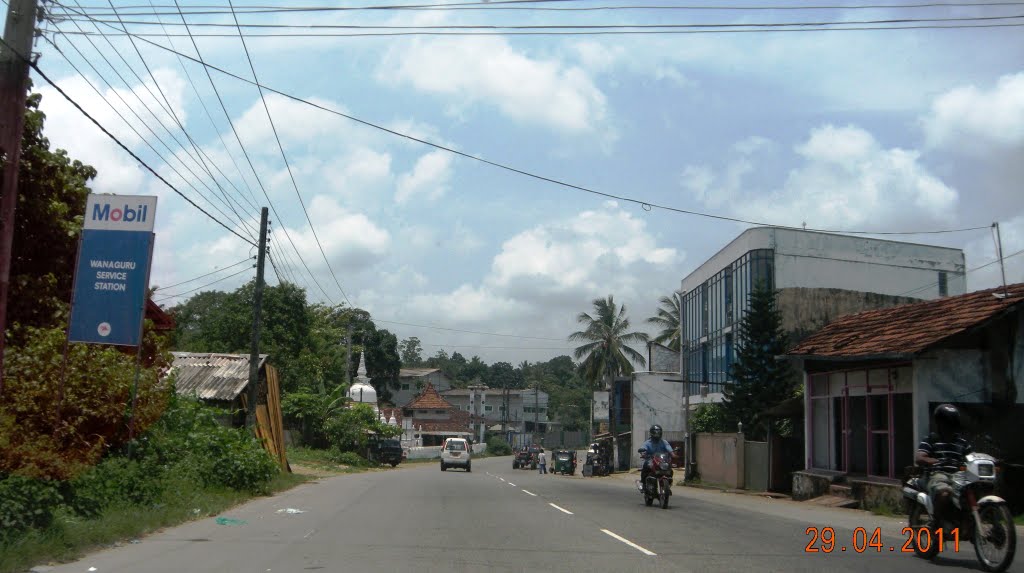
(524, 459)
(387, 452)
(456, 453)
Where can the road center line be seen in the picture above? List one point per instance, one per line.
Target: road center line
(528, 493)
(563, 510)
(502, 479)
(630, 543)
(511, 484)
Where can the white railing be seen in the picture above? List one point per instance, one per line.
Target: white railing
(424, 453)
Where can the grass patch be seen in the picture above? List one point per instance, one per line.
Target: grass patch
(886, 510)
(72, 537)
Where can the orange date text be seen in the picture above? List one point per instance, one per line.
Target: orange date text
(825, 540)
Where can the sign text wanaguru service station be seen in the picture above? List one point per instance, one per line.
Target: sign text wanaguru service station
(113, 269)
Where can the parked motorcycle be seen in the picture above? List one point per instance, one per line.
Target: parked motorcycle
(982, 518)
(659, 480)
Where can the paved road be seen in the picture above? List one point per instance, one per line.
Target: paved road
(499, 519)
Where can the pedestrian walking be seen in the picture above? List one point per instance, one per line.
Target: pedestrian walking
(543, 459)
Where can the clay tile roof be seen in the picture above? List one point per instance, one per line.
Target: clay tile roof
(430, 400)
(907, 329)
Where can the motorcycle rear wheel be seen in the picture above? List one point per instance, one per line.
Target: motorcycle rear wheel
(1001, 536)
(664, 497)
(648, 500)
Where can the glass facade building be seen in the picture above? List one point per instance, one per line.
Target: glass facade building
(710, 313)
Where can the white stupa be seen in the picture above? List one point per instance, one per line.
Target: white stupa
(361, 390)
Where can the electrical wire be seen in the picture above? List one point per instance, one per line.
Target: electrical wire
(968, 271)
(170, 110)
(588, 27)
(643, 203)
(214, 9)
(284, 157)
(213, 272)
(245, 153)
(139, 118)
(74, 103)
(180, 294)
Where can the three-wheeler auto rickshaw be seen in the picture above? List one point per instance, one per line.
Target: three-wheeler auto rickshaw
(564, 462)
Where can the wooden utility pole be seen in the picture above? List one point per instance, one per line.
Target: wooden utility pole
(999, 249)
(257, 311)
(19, 32)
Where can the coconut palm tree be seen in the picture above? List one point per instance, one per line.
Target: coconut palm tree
(606, 340)
(667, 318)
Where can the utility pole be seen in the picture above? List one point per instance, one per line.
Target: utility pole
(19, 31)
(611, 418)
(685, 376)
(999, 248)
(254, 352)
(536, 406)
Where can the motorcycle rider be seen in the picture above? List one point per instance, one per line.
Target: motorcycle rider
(653, 446)
(945, 450)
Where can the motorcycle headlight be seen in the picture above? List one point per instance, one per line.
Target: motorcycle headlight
(986, 470)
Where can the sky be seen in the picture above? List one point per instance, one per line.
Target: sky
(869, 130)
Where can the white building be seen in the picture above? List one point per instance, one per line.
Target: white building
(526, 407)
(818, 276)
(413, 381)
(656, 399)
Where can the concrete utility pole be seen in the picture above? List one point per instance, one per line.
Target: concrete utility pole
(19, 32)
(999, 247)
(536, 407)
(254, 353)
(685, 376)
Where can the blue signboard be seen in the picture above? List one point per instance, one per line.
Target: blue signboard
(113, 270)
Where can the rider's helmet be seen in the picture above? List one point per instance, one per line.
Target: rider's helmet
(655, 432)
(947, 419)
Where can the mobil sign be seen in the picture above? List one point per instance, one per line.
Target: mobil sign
(113, 270)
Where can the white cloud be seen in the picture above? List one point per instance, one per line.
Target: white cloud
(349, 239)
(846, 180)
(429, 177)
(973, 119)
(295, 122)
(490, 70)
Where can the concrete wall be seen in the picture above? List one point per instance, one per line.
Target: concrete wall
(806, 310)
(720, 459)
(824, 260)
(518, 401)
(947, 376)
(655, 402)
(661, 359)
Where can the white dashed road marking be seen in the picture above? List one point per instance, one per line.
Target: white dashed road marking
(630, 543)
(511, 484)
(528, 493)
(563, 510)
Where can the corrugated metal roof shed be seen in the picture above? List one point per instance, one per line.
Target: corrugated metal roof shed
(212, 376)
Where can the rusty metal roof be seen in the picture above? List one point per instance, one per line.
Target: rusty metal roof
(907, 329)
(212, 376)
(429, 400)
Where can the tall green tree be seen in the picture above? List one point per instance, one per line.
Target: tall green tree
(606, 338)
(52, 192)
(411, 352)
(758, 380)
(667, 319)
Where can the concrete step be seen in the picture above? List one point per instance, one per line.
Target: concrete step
(834, 501)
(839, 490)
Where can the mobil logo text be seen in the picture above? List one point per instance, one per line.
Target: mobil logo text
(120, 212)
(127, 213)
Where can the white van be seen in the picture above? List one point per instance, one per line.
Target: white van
(456, 453)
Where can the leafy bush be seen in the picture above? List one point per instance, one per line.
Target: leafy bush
(709, 418)
(54, 425)
(346, 431)
(497, 446)
(27, 502)
(116, 480)
(350, 459)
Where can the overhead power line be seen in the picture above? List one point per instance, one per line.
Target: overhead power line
(213, 272)
(284, 157)
(560, 27)
(70, 100)
(215, 9)
(180, 294)
(643, 203)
